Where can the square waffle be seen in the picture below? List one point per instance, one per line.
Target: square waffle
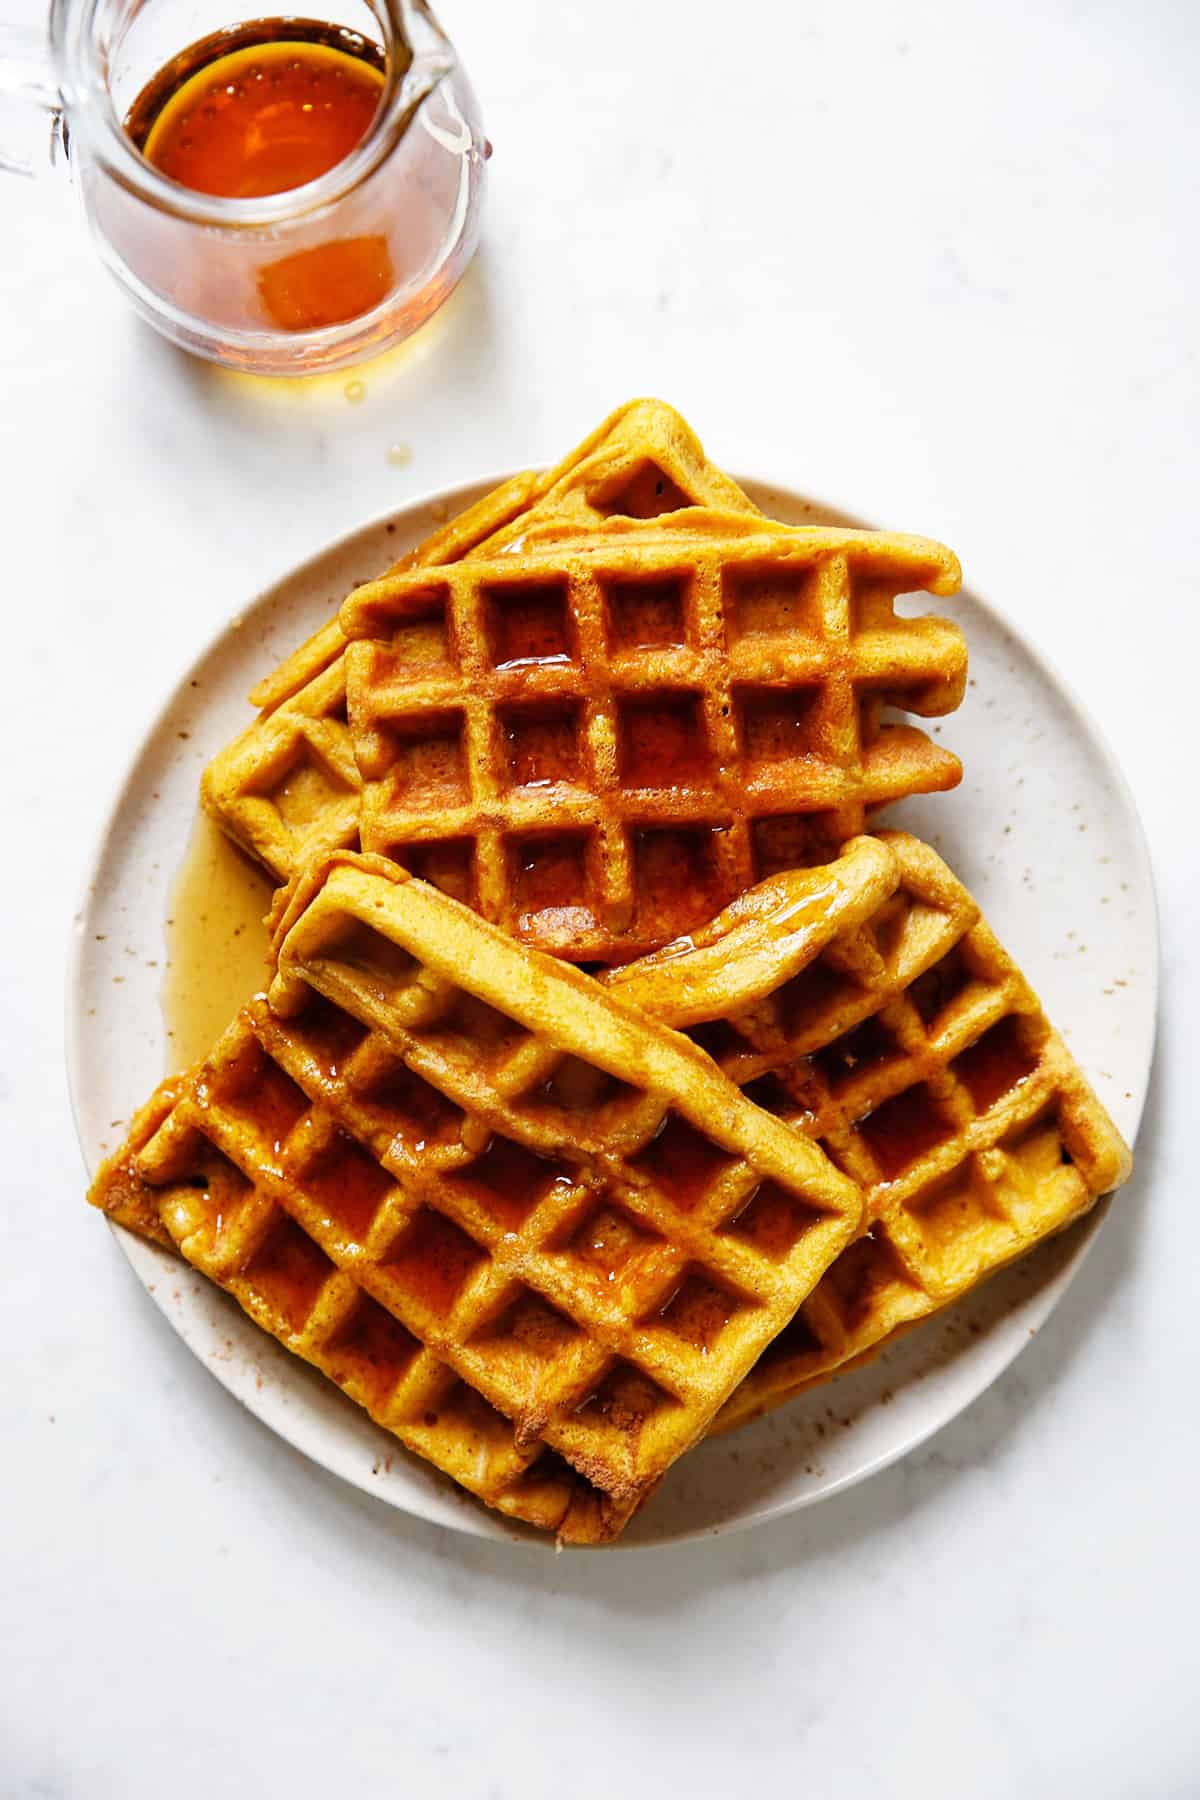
(287, 788)
(474, 1188)
(600, 741)
(869, 1006)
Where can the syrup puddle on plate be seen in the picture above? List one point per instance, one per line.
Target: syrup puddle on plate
(216, 942)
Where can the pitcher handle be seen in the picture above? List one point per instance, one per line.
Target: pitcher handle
(31, 113)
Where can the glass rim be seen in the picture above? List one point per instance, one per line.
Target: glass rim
(87, 96)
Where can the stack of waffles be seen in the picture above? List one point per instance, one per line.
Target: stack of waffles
(610, 1082)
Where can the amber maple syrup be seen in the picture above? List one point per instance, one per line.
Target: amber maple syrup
(263, 108)
(259, 108)
(216, 942)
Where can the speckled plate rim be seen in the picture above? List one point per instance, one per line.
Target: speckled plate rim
(311, 1415)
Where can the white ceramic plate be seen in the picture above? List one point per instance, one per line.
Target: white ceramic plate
(1044, 832)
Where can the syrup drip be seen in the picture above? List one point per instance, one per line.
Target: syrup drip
(216, 943)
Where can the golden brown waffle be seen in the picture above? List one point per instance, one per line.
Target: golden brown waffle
(598, 742)
(473, 1187)
(871, 1007)
(287, 788)
(801, 963)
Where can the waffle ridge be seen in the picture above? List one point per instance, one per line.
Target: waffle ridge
(493, 1162)
(287, 787)
(600, 743)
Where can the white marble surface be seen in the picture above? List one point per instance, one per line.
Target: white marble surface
(939, 261)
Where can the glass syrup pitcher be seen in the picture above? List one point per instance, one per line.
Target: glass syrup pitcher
(282, 195)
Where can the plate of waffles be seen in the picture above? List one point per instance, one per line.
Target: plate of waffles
(637, 1036)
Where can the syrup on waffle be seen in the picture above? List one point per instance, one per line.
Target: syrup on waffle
(600, 741)
(287, 788)
(294, 1291)
(438, 1163)
(870, 1006)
